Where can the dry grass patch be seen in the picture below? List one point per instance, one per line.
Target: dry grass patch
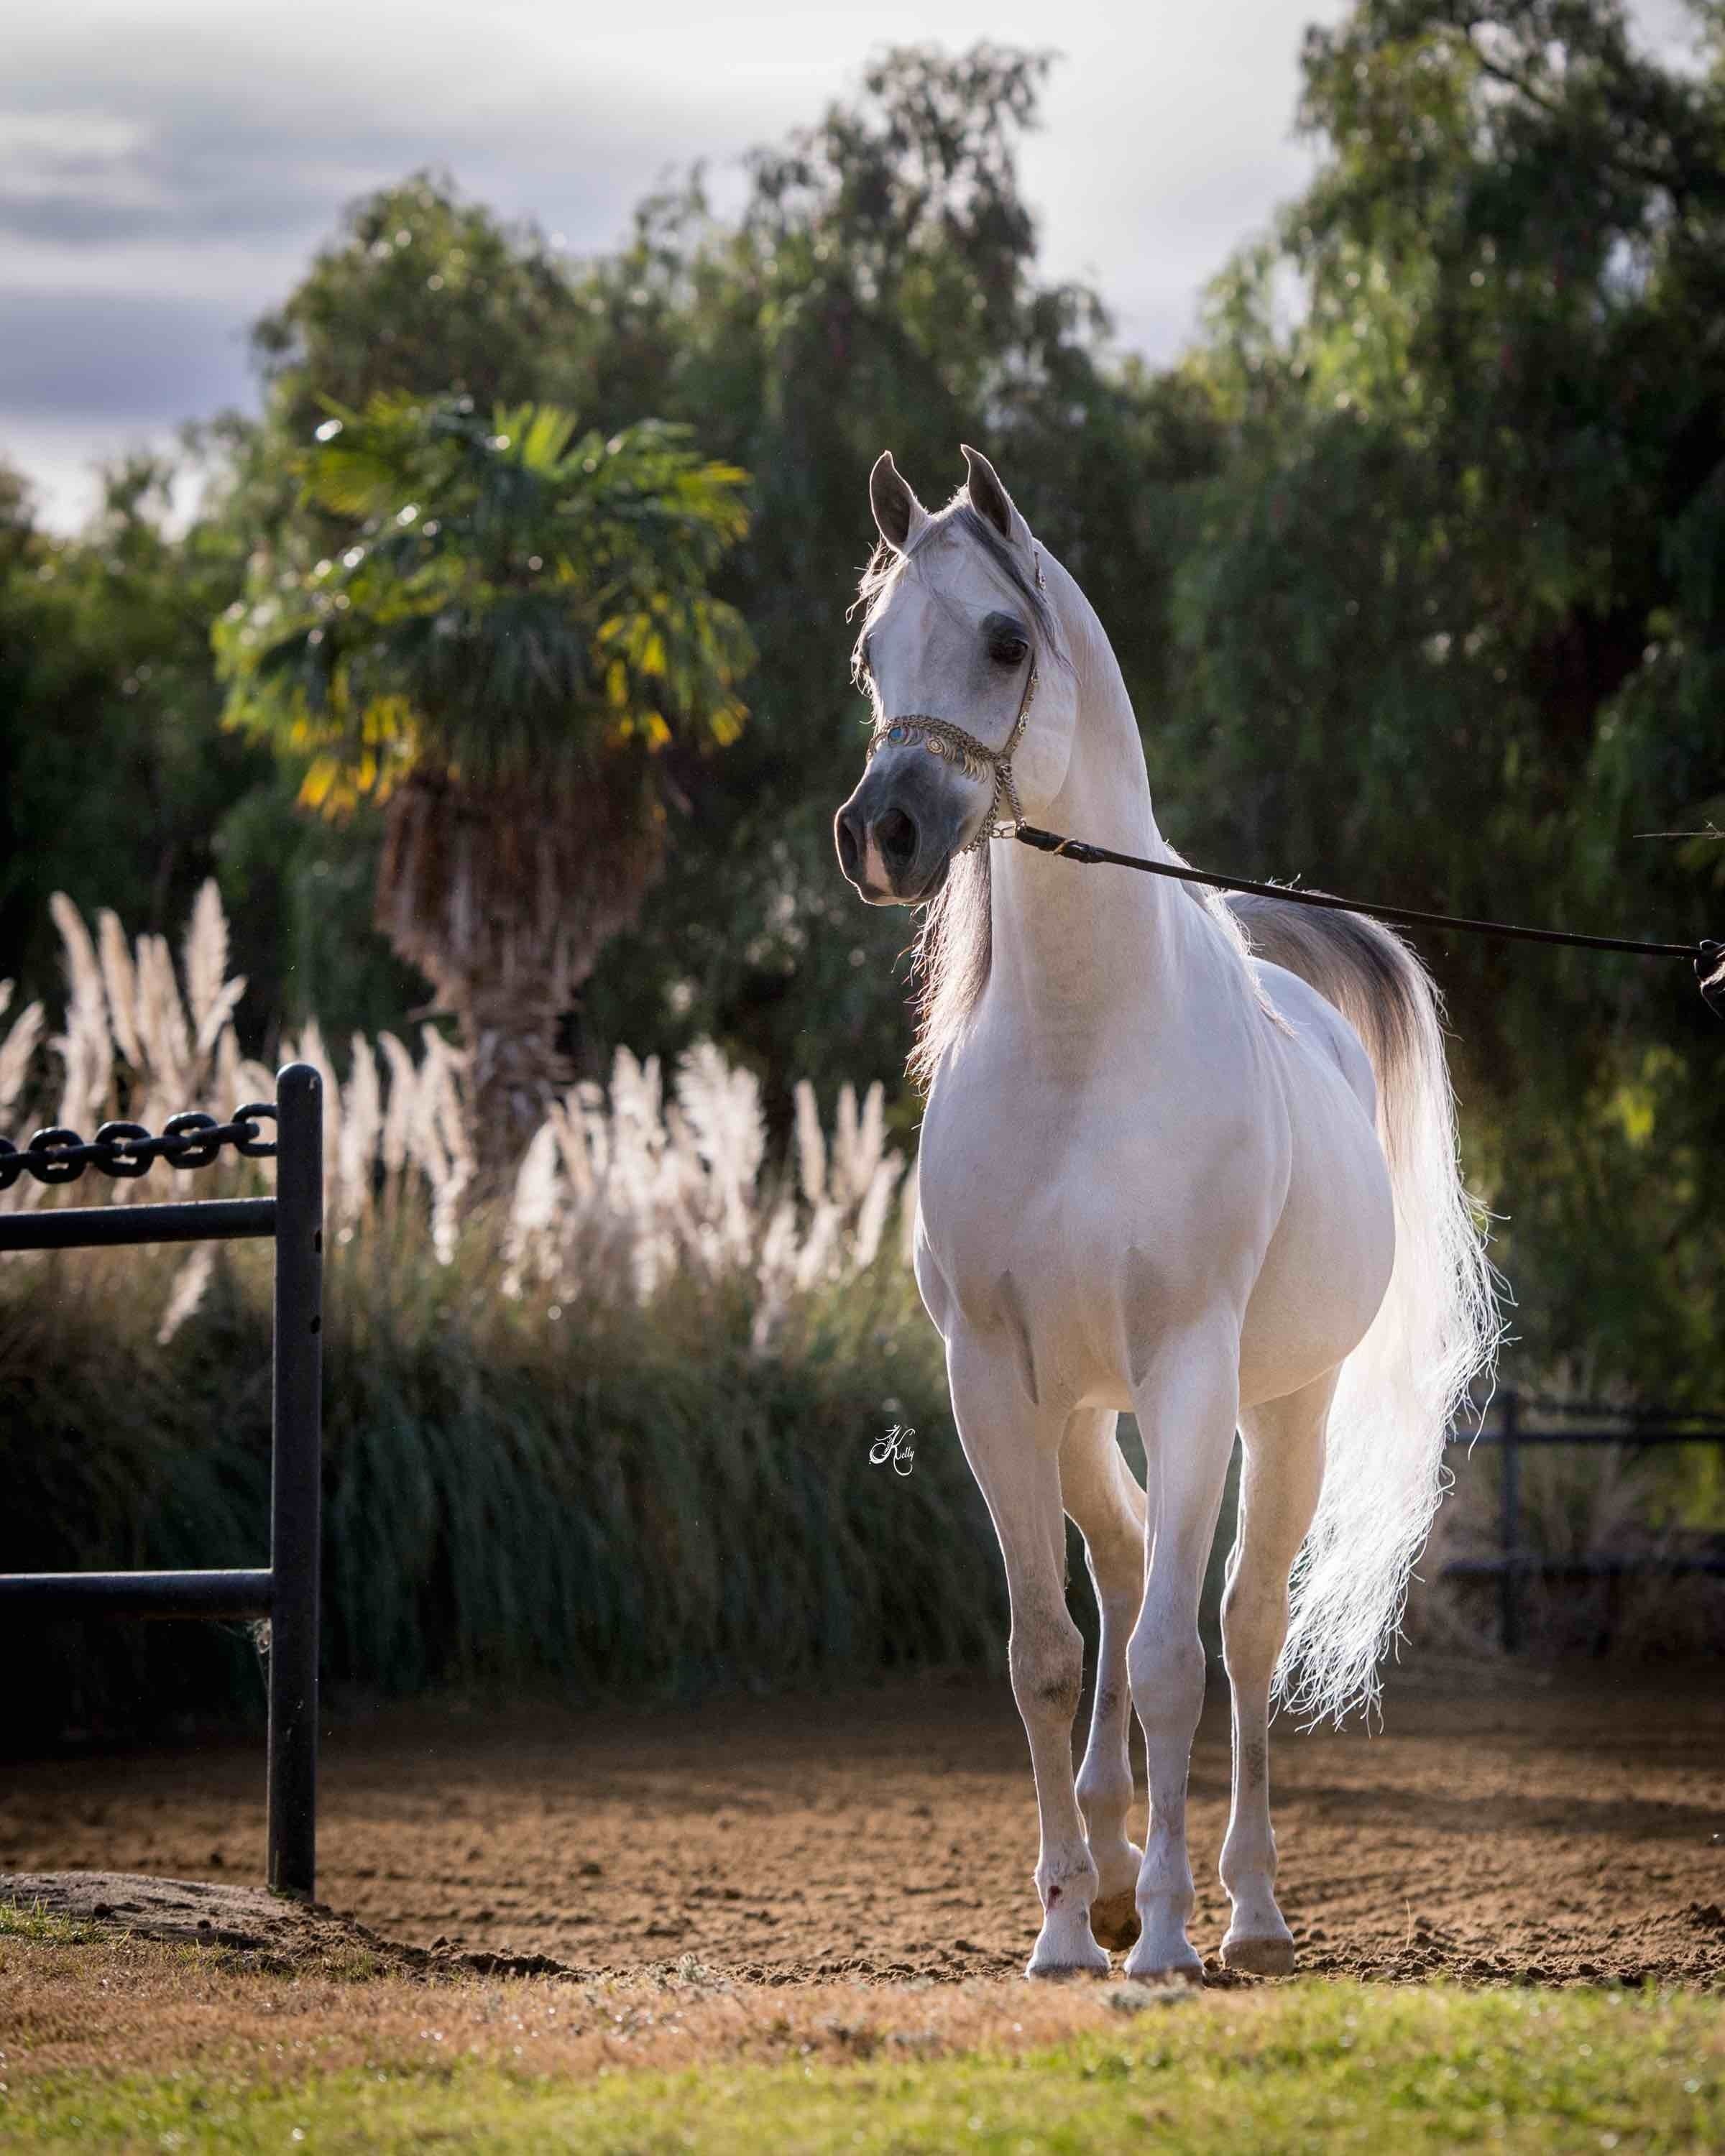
(134, 2004)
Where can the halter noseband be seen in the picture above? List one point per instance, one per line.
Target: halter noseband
(941, 737)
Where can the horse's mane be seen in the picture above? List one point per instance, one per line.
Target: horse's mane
(950, 962)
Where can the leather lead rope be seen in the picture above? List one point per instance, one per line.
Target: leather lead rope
(1708, 957)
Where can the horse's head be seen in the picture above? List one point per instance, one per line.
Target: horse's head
(958, 644)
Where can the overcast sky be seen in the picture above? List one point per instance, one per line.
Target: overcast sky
(167, 166)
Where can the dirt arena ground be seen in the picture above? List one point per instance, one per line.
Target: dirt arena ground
(1500, 1828)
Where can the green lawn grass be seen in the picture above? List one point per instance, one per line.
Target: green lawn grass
(42, 1926)
(1313, 2066)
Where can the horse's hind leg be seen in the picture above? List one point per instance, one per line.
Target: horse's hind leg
(1282, 1473)
(1187, 1405)
(1101, 1494)
(1014, 1448)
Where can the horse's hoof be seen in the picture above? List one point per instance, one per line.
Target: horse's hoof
(1039, 1972)
(1115, 1921)
(1178, 1965)
(1188, 1973)
(1261, 1957)
(1068, 1956)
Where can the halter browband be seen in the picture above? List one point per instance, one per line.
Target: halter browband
(941, 737)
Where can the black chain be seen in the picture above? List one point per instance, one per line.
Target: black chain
(126, 1150)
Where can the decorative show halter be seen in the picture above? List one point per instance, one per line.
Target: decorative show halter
(941, 737)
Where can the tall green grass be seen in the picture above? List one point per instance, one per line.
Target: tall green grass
(612, 1500)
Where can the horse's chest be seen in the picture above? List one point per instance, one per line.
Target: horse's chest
(1071, 1169)
(1083, 1231)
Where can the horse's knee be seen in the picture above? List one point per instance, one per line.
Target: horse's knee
(1165, 1663)
(1116, 1574)
(1105, 1780)
(1047, 1663)
(1255, 1623)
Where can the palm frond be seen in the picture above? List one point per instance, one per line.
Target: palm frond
(519, 597)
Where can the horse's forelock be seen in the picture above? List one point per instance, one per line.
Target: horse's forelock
(959, 514)
(886, 565)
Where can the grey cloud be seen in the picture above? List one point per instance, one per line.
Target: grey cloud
(237, 154)
(129, 357)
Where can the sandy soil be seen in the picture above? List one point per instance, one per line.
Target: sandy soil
(1500, 1829)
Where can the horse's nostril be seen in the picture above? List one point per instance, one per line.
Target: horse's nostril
(898, 834)
(845, 834)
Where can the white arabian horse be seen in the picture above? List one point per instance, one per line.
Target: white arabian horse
(1191, 1161)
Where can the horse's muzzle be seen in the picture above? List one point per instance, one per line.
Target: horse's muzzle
(894, 839)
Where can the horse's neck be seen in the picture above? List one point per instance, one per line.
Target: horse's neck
(1074, 946)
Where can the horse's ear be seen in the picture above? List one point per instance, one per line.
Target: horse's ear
(988, 498)
(898, 514)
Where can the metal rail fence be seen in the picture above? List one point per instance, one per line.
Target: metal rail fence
(1511, 1435)
(284, 1592)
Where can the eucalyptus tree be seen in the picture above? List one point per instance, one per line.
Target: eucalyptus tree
(515, 654)
(421, 289)
(1452, 625)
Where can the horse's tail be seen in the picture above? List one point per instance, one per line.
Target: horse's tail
(1436, 1330)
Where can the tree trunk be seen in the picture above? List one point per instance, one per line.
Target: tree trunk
(514, 1070)
(503, 897)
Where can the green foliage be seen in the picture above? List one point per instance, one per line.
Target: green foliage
(299, 892)
(115, 773)
(424, 295)
(518, 599)
(516, 624)
(879, 287)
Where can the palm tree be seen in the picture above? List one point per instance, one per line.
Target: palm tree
(519, 628)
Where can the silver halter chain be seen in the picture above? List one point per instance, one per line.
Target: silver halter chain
(941, 737)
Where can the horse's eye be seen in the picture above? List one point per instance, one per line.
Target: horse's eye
(1008, 650)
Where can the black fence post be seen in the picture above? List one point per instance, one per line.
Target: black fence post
(1509, 1527)
(296, 1472)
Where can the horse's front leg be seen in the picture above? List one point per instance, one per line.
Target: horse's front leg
(1012, 1446)
(1188, 1406)
(1102, 1496)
